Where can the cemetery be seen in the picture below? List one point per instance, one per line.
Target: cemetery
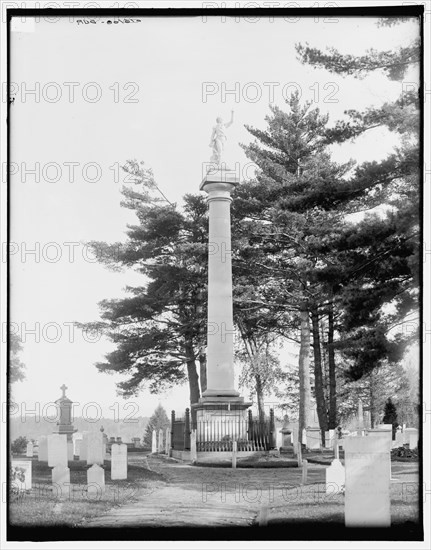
(279, 303)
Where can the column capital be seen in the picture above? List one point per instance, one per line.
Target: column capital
(220, 180)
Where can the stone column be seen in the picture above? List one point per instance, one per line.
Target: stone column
(220, 372)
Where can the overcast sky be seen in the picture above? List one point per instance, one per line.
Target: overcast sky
(157, 87)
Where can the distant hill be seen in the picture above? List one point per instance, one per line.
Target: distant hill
(31, 429)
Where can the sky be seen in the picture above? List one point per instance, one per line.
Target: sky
(148, 90)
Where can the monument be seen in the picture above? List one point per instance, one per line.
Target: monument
(220, 400)
(65, 426)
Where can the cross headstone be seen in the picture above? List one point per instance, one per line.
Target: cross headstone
(367, 488)
(119, 461)
(57, 450)
(95, 482)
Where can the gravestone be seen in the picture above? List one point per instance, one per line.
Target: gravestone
(154, 442)
(21, 474)
(83, 448)
(329, 439)
(286, 433)
(411, 437)
(95, 448)
(367, 488)
(95, 482)
(70, 450)
(313, 438)
(335, 478)
(42, 450)
(119, 461)
(168, 441)
(29, 450)
(77, 440)
(57, 450)
(61, 480)
(161, 446)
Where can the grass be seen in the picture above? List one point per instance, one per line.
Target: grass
(43, 507)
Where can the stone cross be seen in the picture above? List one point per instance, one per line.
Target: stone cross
(63, 388)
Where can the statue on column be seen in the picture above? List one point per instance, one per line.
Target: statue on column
(218, 139)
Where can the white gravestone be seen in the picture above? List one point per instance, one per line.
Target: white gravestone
(154, 442)
(161, 446)
(335, 478)
(83, 450)
(367, 489)
(411, 436)
(95, 482)
(119, 461)
(313, 438)
(70, 450)
(329, 439)
(95, 448)
(57, 450)
(77, 439)
(29, 450)
(42, 451)
(61, 480)
(21, 474)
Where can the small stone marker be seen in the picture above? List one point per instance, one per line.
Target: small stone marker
(61, 480)
(234, 454)
(193, 448)
(367, 489)
(57, 450)
(161, 446)
(96, 481)
(42, 451)
(29, 450)
(154, 442)
(21, 474)
(335, 478)
(95, 448)
(119, 461)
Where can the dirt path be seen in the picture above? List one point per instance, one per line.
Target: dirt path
(200, 496)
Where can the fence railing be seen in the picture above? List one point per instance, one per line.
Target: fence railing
(217, 435)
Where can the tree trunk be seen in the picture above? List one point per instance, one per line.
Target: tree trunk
(304, 373)
(192, 375)
(318, 376)
(332, 373)
(260, 398)
(203, 369)
(372, 404)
